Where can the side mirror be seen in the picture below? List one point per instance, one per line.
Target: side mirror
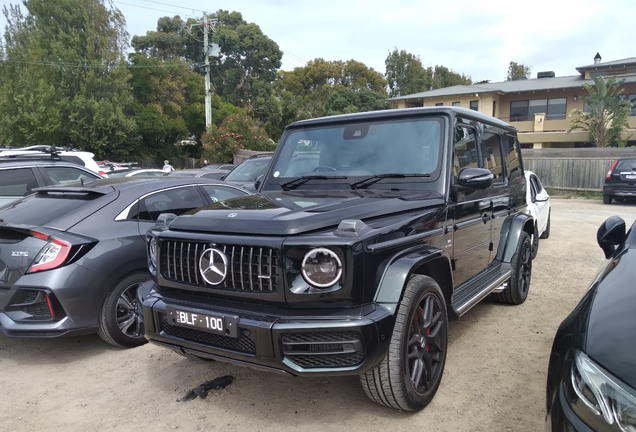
(165, 219)
(476, 178)
(610, 234)
(542, 197)
(258, 182)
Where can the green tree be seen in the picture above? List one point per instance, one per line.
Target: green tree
(305, 90)
(444, 77)
(405, 74)
(347, 101)
(63, 78)
(605, 115)
(238, 131)
(517, 71)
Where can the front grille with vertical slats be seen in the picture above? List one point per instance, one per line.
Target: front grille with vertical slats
(250, 268)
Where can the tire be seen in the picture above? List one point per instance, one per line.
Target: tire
(517, 290)
(607, 199)
(535, 242)
(119, 318)
(410, 374)
(546, 233)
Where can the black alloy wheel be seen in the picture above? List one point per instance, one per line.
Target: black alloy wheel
(519, 285)
(120, 320)
(410, 374)
(426, 348)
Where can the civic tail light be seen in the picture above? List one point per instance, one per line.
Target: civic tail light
(52, 255)
(609, 173)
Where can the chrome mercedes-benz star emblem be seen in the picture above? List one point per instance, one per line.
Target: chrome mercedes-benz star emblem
(213, 266)
(232, 215)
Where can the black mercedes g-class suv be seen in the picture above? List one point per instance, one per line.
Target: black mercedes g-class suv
(369, 233)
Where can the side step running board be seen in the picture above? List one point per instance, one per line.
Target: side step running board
(476, 289)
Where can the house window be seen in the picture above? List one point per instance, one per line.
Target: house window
(456, 104)
(439, 104)
(474, 105)
(554, 109)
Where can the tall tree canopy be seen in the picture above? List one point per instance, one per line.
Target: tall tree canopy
(444, 77)
(405, 74)
(64, 79)
(517, 71)
(605, 115)
(305, 90)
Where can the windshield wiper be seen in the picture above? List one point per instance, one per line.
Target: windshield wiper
(293, 184)
(376, 178)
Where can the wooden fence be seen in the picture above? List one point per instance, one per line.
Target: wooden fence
(574, 169)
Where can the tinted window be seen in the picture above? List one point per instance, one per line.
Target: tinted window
(65, 175)
(17, 182)
(177, 201)
(518, 111)
(626, 165)
(220, 193)
(29, 211)
(465, 149)
(512, 156)
(362, 149)
(249, 170)
(492, 156)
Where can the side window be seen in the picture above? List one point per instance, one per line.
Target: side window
(65, 175)
(220, 193)
(512, 155)
(465, 149)
(492, 156)
(17, 182)
(177, 201)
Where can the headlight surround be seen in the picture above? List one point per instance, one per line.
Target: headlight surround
(321, 268)
(152, 254)
(599, 398)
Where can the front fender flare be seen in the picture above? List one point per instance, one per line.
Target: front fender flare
(401, 267)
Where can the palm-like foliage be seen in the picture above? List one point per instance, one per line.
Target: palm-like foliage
(605, 117)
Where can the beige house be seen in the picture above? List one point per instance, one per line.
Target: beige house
(538, 107)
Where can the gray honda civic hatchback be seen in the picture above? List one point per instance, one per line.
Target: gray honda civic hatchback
(72, 256)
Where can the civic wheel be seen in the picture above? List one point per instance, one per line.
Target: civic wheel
(120, 321)
(410, 374)
(517, 290)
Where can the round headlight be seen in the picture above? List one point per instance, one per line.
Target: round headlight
(321, 268)
(152, 252)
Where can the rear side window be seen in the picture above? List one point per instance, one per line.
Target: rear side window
(65, 175)
(17, 182)
(492, 156)
(43, 208)
(177, 201)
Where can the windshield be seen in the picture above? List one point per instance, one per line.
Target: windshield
(249, 170)
(361, 150)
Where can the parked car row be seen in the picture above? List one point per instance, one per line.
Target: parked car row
(346, 252)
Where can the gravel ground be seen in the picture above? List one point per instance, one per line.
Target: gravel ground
(494, 378)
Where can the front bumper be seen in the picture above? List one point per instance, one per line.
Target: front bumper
(561, 418)
(294, 342)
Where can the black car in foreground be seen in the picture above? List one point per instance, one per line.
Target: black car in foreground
(592, 373)
(620, 182)
(72, 256)
(351, 261)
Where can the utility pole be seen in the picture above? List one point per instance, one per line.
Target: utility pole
(207, 26)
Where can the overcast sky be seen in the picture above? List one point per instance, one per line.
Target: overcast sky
(477, 38)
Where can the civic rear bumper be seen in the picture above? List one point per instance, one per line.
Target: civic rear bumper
(329, 342)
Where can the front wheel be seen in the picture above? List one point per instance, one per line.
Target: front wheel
(119, 318)
(410, 374)
(517, 290)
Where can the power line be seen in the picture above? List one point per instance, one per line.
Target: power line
(175, 6)
(294, 56)
(155, 9)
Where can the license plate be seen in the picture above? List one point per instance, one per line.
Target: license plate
(226, 325)
(630, 176)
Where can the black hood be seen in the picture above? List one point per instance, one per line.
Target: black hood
(294, 212)
(611, 333)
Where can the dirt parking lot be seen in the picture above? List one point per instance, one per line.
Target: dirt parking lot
(494, 378)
